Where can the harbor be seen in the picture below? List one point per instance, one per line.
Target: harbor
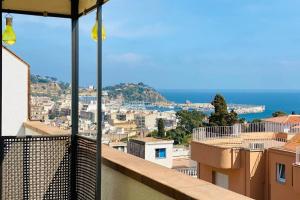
(204, 107)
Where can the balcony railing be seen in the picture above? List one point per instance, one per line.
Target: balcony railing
(235, 131)
(39, 167)
(191, 171)
(36, 167)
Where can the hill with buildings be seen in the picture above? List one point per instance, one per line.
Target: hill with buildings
(134, 92)
(47, 86)
(128, 92)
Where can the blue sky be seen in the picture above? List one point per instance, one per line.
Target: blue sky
(208, 44)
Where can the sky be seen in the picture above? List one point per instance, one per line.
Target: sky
(172, 44)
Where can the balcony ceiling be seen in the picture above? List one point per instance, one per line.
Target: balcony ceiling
(59, 8)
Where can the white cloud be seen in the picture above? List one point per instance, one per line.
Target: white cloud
(123, 29)
(129, 58)
(290, 63)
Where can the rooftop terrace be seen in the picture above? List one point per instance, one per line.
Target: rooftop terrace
(251, 136)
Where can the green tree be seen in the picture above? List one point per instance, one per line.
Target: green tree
(179, 136)
(160, 128)
(278, 114)
(188, 120)
(221, 116)
(256, 120)
(152, 134)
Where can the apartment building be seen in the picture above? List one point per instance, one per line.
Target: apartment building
(15, 98)
(258, 161)
(284, 170)
(152, 149)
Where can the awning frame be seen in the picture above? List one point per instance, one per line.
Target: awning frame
(53, 14)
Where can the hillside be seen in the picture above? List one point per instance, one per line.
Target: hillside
(128, 92)
(134, 92)
(47, 86)
(36, 79)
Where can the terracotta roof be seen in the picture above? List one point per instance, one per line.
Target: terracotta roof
(293, 143)
(284, 119)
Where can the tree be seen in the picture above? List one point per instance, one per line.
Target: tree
(232, 118)
(179, 136)
(160, 128)
(219, 104)
(152, 134)
(278, 114)
(221, 116)
(188, 120)
(256, 121)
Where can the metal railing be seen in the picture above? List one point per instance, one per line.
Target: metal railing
(235, 131)
(190, 171)
(36, 168)
(39, 167)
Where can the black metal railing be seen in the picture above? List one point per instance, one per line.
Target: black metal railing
(86, 168)
(39, 167)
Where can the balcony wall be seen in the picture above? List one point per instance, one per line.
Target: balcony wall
(128, 177)
(216, 156)
(36, 128)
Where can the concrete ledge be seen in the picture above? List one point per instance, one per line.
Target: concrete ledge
(38, 128)
(164, 180)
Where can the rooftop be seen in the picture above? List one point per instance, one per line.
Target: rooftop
(152, 140)
(288, 119)
(184, 163)
(292, 144)
(245, 140)
(253, 136)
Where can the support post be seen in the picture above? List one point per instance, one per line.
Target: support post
(1, 139)
(99, 103)
(75, 94)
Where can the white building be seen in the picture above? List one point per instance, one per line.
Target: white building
(15, 97)
(155, 150)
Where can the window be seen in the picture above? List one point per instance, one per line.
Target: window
(280, 168)
(160, 153)
(220, 179)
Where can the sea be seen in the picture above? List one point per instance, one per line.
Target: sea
(273, 100)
